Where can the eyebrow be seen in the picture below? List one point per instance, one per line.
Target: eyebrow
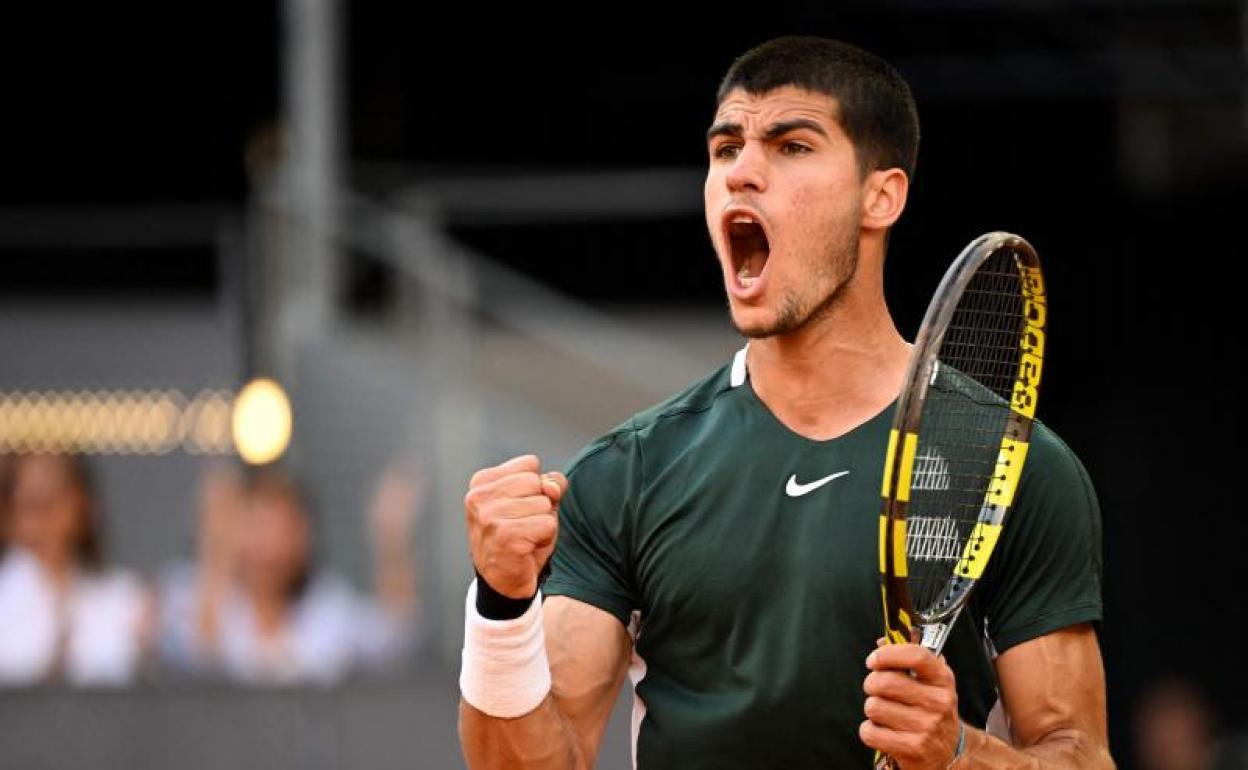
(773, 131)
(724, 129)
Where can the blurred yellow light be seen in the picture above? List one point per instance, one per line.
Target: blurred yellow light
(262, 421)
(119, 422)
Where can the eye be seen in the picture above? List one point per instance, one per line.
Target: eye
(725, 151)
(795, 148)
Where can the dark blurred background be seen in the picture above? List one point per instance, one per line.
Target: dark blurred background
(488, 226)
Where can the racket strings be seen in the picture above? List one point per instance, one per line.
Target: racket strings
(964, 417)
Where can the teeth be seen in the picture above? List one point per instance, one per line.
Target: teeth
(743, 219)
(744, 277)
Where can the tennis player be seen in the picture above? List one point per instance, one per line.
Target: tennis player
(721, 548)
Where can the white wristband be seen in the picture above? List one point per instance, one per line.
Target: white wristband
(505, 672)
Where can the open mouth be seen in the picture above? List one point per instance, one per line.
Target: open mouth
(749, 247)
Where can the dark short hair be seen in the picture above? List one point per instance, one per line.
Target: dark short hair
(876, 109)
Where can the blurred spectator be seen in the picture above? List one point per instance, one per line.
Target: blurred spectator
(255, 609)
(1175, 729)
(64, 616)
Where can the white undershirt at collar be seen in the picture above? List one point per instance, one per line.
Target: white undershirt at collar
(738, 367)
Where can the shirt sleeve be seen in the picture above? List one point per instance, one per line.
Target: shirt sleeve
(1047, 572)
(592, 558)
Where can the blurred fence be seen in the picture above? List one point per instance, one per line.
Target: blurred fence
(407, 724)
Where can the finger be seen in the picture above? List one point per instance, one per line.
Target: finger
(523, 463)
(933, 669)
(543, 552)
(923, 663)
(893, 685)
(904, 689)
(522, 484)
(521, 537)
(896, 743)
(517, 508)
(554, 486)
(897, 716)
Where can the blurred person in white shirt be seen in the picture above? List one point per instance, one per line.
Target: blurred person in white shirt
(255, 610)
(64, 616)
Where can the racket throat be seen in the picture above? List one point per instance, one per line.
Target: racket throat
(936, 634)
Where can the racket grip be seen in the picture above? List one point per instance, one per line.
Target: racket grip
(884, 761)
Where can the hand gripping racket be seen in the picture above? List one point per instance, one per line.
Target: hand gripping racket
(960, 436)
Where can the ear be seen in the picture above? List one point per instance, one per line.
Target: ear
(884, 198)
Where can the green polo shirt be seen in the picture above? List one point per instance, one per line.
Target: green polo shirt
(753, 591)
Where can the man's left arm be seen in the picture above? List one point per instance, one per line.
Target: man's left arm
(1052, 687)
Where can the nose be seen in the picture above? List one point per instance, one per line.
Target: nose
(748, 170)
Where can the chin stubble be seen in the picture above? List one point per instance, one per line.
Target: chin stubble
(793, 314)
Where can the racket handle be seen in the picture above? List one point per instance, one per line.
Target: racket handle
(933, 638)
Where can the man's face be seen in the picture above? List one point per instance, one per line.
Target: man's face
(783, 206)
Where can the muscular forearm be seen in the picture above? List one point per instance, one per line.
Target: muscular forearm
(539, 740)
(1052, 688)
(1065, 749)
(538, 688)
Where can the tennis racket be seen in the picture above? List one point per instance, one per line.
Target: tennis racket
(960, 436)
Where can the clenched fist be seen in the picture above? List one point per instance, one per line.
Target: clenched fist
(512, 515)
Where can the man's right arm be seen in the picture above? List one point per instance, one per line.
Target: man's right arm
(588, 650)
(506, 721)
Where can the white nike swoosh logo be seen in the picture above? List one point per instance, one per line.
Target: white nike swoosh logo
(794, 489)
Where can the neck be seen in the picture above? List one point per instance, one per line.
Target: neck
(57, 566)
(837, 371)
(270, 610)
